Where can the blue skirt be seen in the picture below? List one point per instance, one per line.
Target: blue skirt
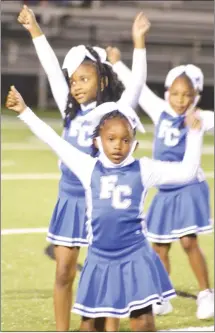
(179, 212)
(115, 283)
(67, 226)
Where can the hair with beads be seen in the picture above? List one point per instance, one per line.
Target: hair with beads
(111, 93)
(110, 115)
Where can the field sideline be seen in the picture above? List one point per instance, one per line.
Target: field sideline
(29, 190)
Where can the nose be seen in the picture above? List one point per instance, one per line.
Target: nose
(117, 146)
(180, 99)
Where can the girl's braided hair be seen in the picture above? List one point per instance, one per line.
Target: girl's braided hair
(111, 115)
(111, 93)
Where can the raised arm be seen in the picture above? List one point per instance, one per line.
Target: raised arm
(149, 101)
(160, 173)
(78, 162)
(47, 58)
(131, 94)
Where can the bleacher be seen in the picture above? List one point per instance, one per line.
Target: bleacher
(181, 32)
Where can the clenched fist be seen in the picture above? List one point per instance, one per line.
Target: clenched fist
(15, 101)
(28, 20)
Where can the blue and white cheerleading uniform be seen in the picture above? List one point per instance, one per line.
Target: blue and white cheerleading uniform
(122, 272)
(177, 210)
(182, 209)
(67, 226)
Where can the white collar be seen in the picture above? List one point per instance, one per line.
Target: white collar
(89, 106)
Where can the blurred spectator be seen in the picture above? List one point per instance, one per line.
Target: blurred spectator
(75, 3)
(35, 2)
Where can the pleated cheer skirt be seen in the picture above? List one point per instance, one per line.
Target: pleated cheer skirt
(115, 283)
(179, 212)
(67, 226)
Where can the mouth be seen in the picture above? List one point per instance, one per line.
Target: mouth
(79, 96)
(180, 108)
(117, 156)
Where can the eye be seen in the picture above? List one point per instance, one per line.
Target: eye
(73, 83)
(84, 79)
(110, 138)
(188, 95)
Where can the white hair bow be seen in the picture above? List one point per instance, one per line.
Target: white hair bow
(77, 54)
(193, 72)
(96, 114)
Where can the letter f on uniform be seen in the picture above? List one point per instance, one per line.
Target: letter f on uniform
(107, 186)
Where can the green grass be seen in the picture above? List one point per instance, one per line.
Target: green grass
(28, 275)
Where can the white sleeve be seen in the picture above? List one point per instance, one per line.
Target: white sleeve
(137, 78)
(78, 162)
(207, 119)
(51, 66)
(149, 102)
(160, 173)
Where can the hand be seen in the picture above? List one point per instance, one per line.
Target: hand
(193, 120)
(140, 27)
(113, 54)
(27, 18)
(15, 101)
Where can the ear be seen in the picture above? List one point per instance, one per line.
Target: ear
(137, 144)
(95, 143)
(104, 83)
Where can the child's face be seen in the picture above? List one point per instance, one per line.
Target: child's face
(181, 95)
(84, 83)
(117, 138)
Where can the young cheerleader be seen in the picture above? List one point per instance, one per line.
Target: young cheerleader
(122, 275)
(177, 211)
(88, 82)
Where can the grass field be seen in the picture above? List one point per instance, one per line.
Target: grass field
(27, 274)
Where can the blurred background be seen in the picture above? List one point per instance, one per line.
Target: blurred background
(182, 32)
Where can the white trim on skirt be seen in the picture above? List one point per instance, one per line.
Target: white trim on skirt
(176, 234)
(122, 313)
(66, 241)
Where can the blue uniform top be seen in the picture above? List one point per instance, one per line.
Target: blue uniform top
(170, 143)
(78, 133)
(115, 206)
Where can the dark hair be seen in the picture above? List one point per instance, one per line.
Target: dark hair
(111, 115)
(111, 93)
